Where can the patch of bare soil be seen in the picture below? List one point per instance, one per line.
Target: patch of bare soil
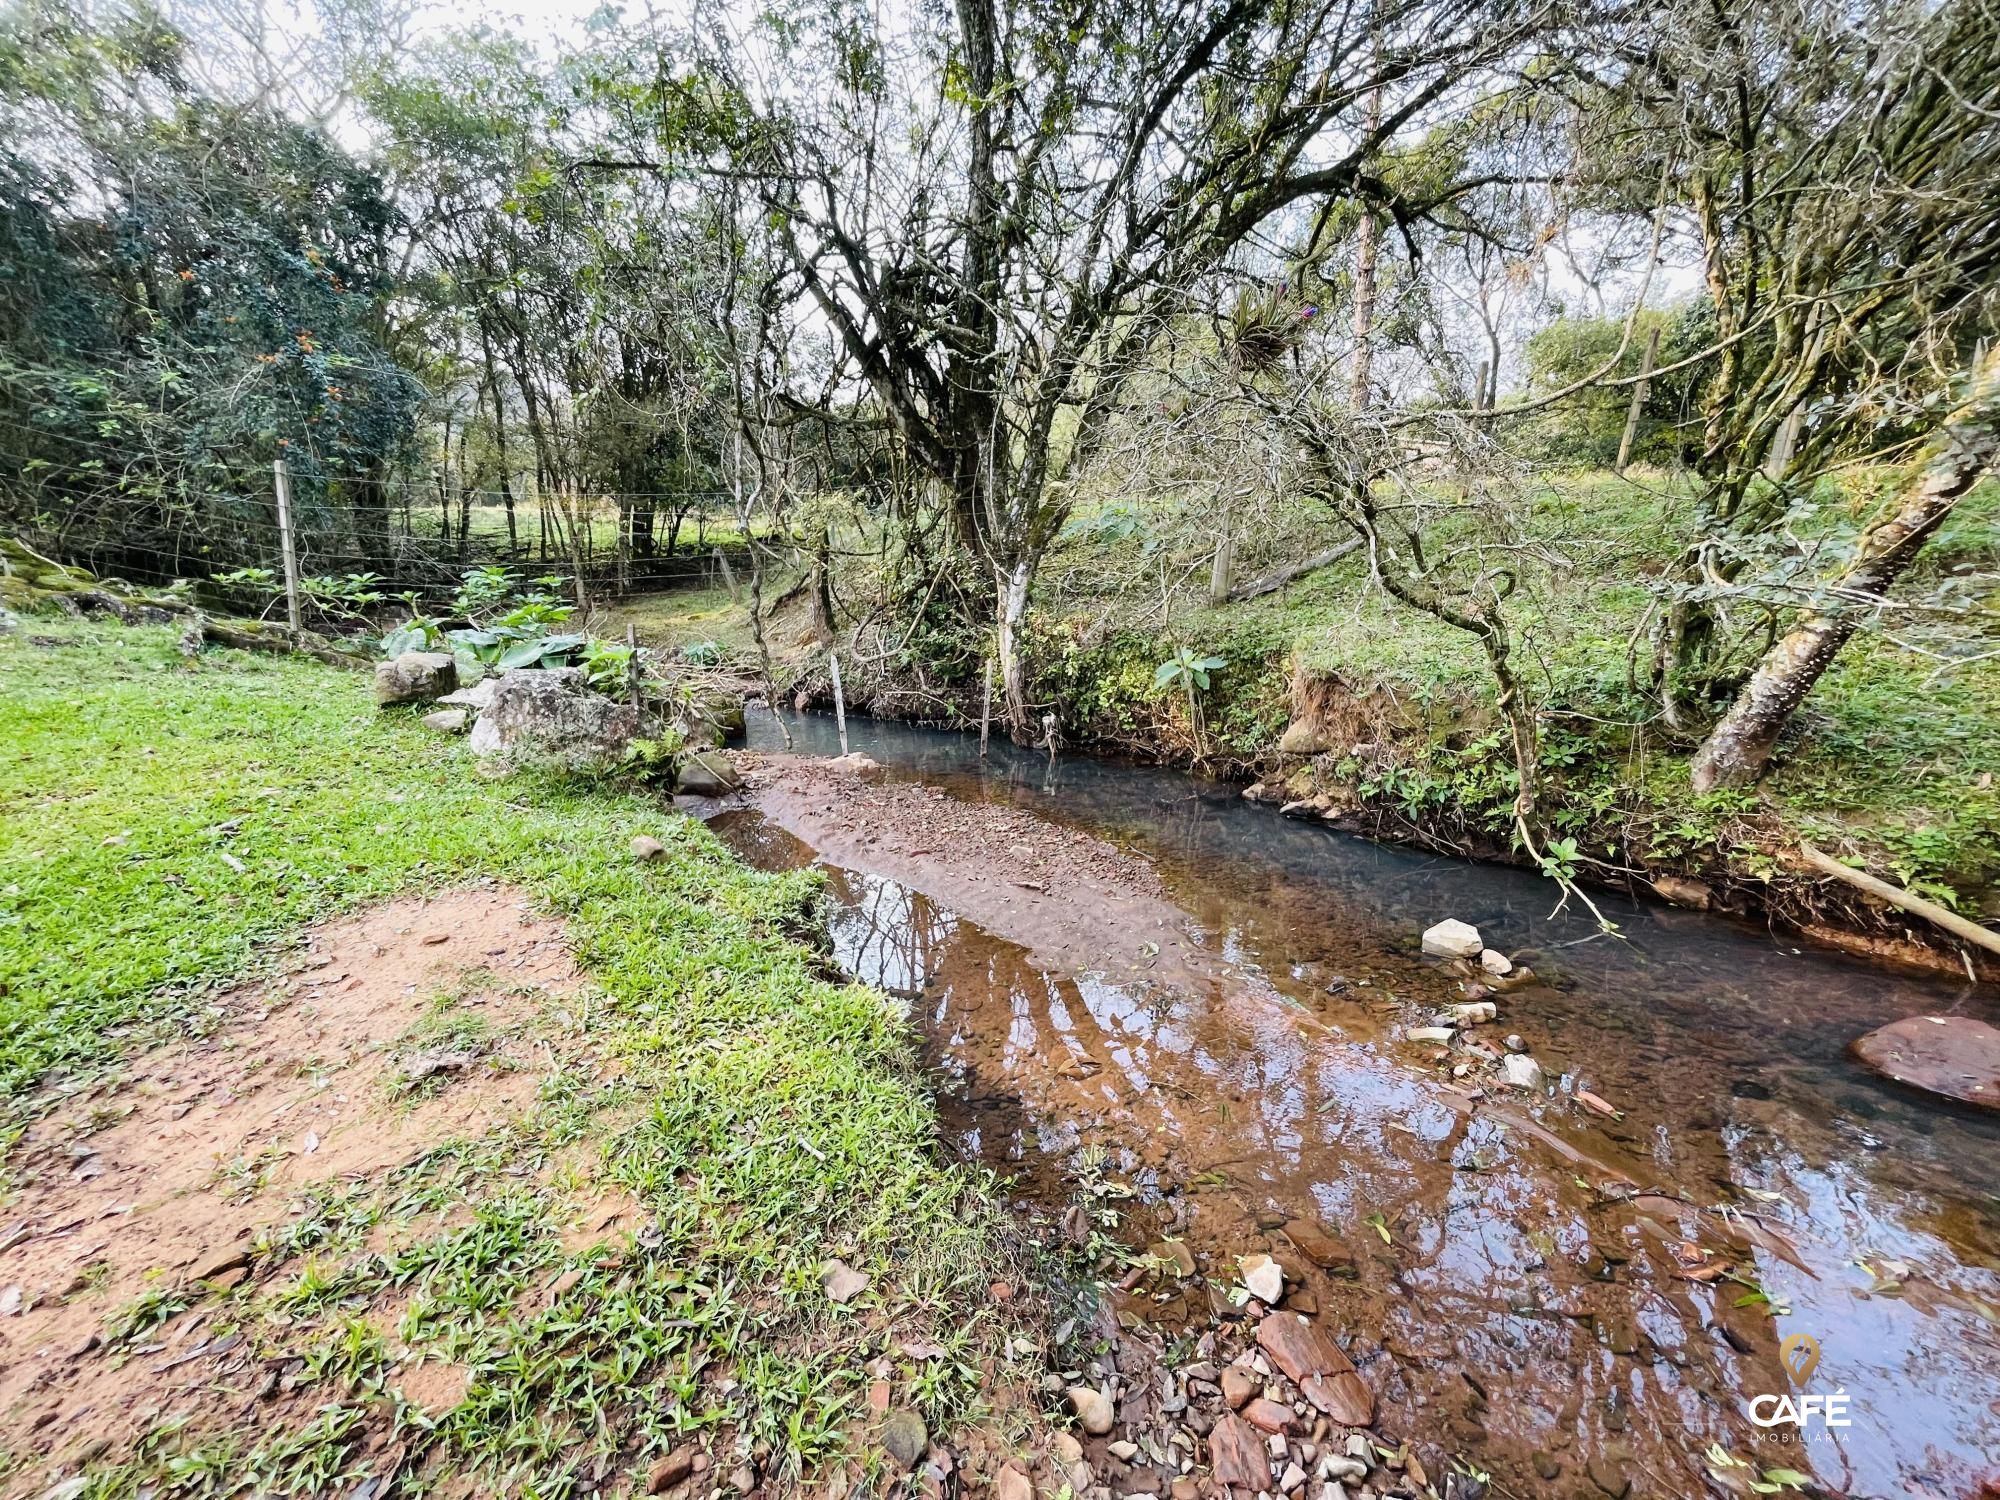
(149, 1190)
(1074, 901)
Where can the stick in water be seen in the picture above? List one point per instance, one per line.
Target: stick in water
(986, 711)
(839, 700)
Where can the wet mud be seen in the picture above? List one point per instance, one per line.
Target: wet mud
(1120, 973)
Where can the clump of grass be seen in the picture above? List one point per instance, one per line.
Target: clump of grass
(150, 1310)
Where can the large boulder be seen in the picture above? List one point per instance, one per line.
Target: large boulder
(550, 717)
(708, 773)
(1305, 737)
(1956, 1056)
(415, 677)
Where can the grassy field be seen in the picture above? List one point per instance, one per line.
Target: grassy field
(168, 827)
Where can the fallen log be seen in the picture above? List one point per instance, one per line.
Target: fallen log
(1895, 895)
(246, 635)
(1277, 578)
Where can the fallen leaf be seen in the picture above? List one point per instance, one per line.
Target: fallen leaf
(1591, 1101)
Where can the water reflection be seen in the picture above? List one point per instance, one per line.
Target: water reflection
(1497, 1287)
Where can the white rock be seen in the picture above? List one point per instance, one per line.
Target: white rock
(1265, 1279)
(1093, 1409)
(1357, 1446)
(1494, 962)
(1474, 1012)
(1292, 1478)
(1428, 1034)
(1522, 1071)
(1123, 1449)
(1452, 938)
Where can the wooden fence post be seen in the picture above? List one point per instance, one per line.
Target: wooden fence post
(839, 700)
(986, 709)
(282, 483)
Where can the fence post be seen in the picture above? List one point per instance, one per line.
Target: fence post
(839, 700)
(986, 709)
(282, 482)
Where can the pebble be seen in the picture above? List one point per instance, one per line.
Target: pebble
(1421, 1034)
(1123, 1450)
(1238, 1386)
(1495, 962)
(905, 1437)
(1093, 1409)
(1014, 1484)
(1265, 1279)
(675, 1466)
(1270, 1416)
(1523, 1072)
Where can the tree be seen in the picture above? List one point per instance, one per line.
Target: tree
(999, 212)
(199, 288)
(1839, 173)
(1965, 447)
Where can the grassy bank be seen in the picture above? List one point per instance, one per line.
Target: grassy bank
(167, 827)
(1892, 762)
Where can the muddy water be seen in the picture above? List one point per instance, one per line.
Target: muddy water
(1512, 1275)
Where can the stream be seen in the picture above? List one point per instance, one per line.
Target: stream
(1572, 1303)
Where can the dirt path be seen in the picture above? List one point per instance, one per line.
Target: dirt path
(127, 1251)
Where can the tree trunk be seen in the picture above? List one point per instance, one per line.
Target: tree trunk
(1631, 434)
(500, 440)
(1364, 279)
(1011, 586)
(1740, 747)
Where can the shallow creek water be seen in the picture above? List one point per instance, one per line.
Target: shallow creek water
(1507, 1272)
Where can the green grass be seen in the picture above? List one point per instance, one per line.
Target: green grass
(1895, 753)
(166, 828)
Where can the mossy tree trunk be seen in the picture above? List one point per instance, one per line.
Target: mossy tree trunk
(1738, 750)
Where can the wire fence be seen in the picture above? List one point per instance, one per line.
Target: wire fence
(142, 526)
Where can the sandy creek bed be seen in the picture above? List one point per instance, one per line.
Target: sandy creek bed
(1118, 961)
